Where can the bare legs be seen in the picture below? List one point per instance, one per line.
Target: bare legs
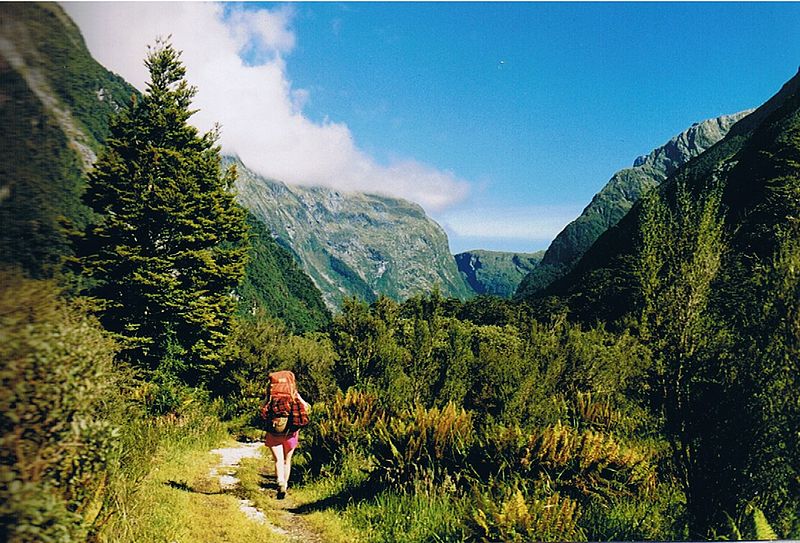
(283, 468)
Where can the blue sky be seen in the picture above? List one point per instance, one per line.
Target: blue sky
(518, 113)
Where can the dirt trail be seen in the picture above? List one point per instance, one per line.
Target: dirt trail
(290, 525)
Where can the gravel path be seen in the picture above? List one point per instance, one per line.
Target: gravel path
(225, 472)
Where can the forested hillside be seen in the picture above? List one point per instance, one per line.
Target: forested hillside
(651, 394)
(54, 113)
(495, 272)
(617, 197)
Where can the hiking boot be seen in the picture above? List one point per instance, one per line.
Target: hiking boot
(281, 491)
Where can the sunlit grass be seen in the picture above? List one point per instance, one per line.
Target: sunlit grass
(304, 511)
(338, 508)
(180, 502)
(406, 518)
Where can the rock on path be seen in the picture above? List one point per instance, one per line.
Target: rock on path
(230, 458)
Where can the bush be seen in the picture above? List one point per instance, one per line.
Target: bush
(59, 413)
(575, 462)
(515, 518)
(428, 446)
(341, 426)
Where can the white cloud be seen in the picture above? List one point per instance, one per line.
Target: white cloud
(532, 223)
(260, 112)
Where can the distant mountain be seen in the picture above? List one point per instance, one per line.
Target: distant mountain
(757, 165)
(354, 244)
(495, 272)
(56, 104)
(617, 197)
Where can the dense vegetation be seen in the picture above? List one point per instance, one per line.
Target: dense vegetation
(45, 146)
(275, 283)
(656, 397)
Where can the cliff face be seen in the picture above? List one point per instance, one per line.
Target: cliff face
(495, 272)
(354, 244)
(55, 106)
(617, 197)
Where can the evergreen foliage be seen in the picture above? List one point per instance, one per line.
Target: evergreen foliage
(681, 253)
(60, 414)
(274, 281)
(167, 248)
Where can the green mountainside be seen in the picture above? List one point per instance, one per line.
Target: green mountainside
(617, 197)
(757, 205)
(495, 272)
(354, 244)
(56, 105)
(274, 281)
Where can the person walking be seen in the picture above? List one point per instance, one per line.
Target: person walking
(286, 412)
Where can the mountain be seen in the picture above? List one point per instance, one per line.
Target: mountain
(495, 272)
(756, 163)
(56, 105)
(354, 244)
(275, 282)
(617, 197)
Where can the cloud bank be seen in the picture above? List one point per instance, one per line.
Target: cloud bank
(260, 112)
(524, 224)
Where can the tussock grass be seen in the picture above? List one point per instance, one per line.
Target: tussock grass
(392, 517)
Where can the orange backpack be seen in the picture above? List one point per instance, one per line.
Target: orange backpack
(282, 410)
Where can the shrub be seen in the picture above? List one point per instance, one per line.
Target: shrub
(429, 446)
(579, 463)
(59, 413)
(343, 425)
(514, 518)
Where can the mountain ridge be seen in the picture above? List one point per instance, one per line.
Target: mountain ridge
(601, 286)
(618, 196)
(495, 272)
(354, 244)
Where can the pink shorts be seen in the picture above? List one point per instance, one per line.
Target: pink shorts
(289, 441)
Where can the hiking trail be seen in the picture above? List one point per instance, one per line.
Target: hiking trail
(288, 524)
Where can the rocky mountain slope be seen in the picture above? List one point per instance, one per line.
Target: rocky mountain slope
(354, 244)
(617, 197)
(495, 272)
(55, 105)
(756, 164)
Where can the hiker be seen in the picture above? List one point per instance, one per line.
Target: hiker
(286, 412)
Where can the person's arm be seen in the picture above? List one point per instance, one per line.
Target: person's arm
(308, 405)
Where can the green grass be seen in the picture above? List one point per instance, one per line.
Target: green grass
(180, 502)
(340, 508)
(391, 517)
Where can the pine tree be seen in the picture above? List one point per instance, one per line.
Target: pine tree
(168, 245)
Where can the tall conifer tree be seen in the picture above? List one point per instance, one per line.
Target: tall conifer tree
(168, 245)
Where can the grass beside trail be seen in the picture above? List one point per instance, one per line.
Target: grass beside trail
(340, 509)
(179, 502)
(297, 513)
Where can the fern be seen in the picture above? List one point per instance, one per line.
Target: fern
(763, 531)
